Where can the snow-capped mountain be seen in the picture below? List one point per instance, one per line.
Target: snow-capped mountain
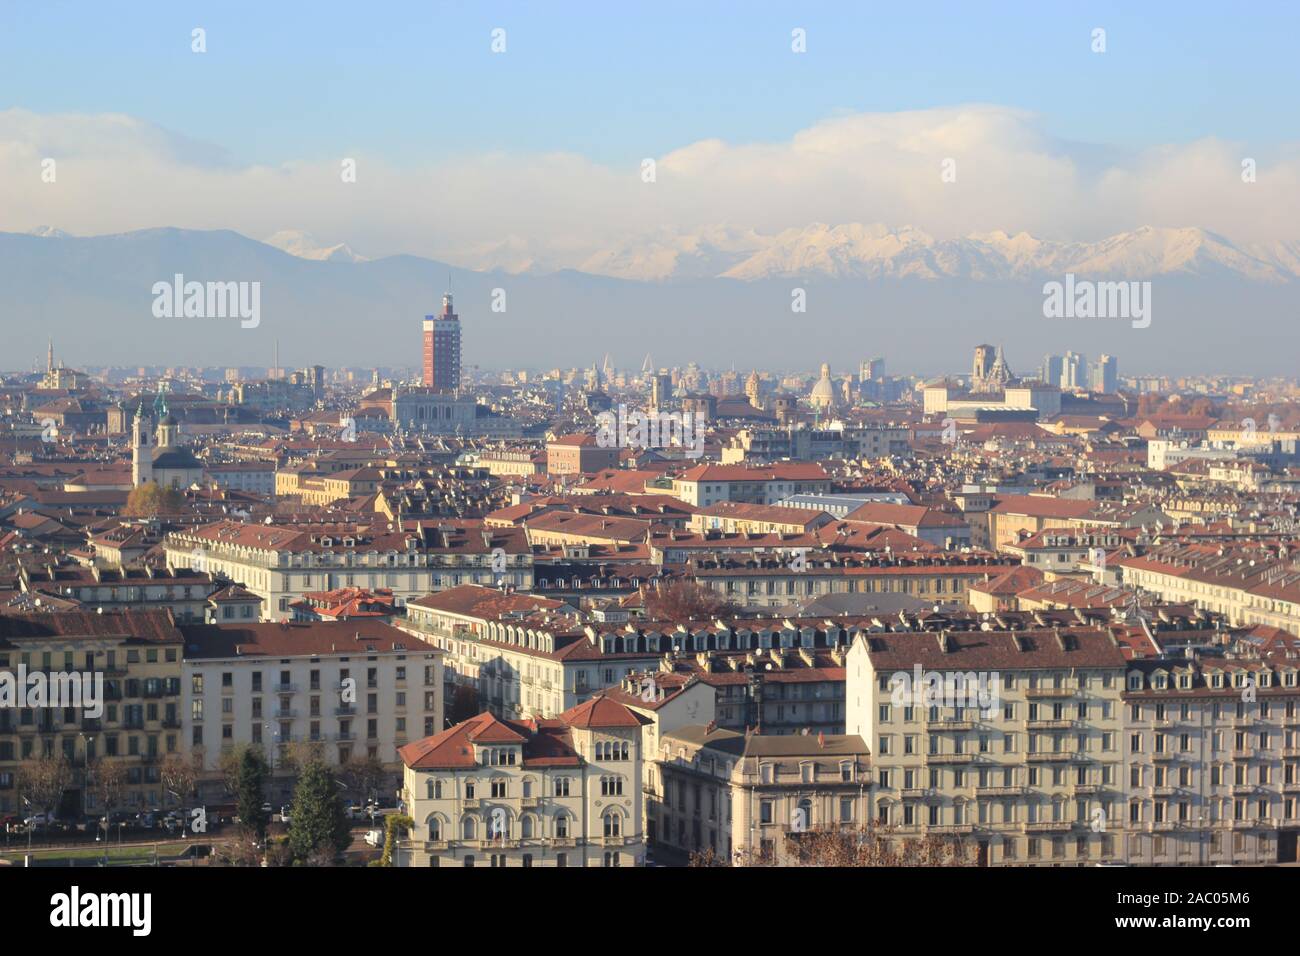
(876, 251)
(305, 246)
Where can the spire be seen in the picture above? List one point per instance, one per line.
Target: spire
(49, 356)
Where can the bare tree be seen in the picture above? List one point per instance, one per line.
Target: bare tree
(180, 775)
(683, 600)
(297, 754)
(42, 781)
(107, 781)
(228, 763)
(364, 774)
(877, 845)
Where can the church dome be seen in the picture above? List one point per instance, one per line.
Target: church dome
(823, 393)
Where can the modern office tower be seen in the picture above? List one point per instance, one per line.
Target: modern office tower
(872, 370)
(1053, 366)
(1105, 374)
(1074, 373)
(442, 348)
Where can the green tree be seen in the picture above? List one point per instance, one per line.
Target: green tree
(317, 825)
(250, 782)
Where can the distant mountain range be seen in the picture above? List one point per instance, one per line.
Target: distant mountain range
(718, 297)
(876, 251)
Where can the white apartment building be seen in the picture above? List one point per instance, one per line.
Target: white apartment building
(1212, 759)
(358, 688)
(562, 792)
(1017, 746)
(281, 562)
(525, 656)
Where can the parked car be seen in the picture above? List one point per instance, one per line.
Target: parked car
(284, 815)
(357, 813)
(375, 838)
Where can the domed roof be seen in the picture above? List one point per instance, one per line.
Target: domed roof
(823, 393)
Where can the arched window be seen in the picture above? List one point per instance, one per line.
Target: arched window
(613, 824)
(435, 827)
(468, 827)
(562, 825)
(526, 827)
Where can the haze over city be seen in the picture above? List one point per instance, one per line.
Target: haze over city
(759, 438)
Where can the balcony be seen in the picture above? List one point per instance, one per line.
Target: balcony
(1041, 693)
(1062, 756)
(950, 758)
(283, 714)
(345, 710)
(1001, 791)
(1049, 724)
(284, 689)
(345, 736)
(1163, 756)
(1086, 789)
(915, 793)
(951, 724)
(1048, 826)
(951, 829)
(1164, 791)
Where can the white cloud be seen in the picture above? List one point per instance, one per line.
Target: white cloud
(539, 212)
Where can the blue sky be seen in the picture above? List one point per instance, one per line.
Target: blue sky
(615, 82)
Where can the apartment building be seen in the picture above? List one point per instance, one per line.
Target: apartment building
(182, 591)
(282, 562)
(705, 485)
(747, 798)
(1013, 739)
(558, 792)
(775, 583)
(1246, 585)
(1212, 758)
(137, 654)
(355, 689)
(523, 655)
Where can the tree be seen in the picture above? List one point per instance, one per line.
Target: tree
(318, 824)
(250, 782)
(150, 500)
(107, 781)
(394, 825)
(42, 781)
(364, 775)
(179, 775)
(297, 754)
(683, 600)
(875, 845)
